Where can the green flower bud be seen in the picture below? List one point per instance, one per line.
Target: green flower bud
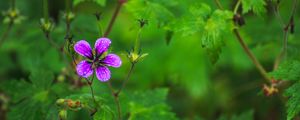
(60, 102)
(136, 57)
(46, 25)
(62, 114)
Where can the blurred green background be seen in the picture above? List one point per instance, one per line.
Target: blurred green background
(197, 89)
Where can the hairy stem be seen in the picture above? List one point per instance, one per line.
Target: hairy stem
(68, 6)
(252, 57)
(116, 99)
(236, 8)
(283, 52)
(257, 64)
(113, 19)
(126, 80)
(6, 32)
(219, 4)
(13, 4)
(90, 83)
(108, 30)
(46, 14)
(53, 44)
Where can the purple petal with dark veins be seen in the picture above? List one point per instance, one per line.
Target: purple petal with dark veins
(83, 48)
(112, 60)
(102, 45)
(103, 73)
(84, 69)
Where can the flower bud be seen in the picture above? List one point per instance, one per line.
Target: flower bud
(69, 16)
(135, 57)
(12, 16)
(60, 102)
(62, 114)
(98, 15)
(46, 25)
(60, 78)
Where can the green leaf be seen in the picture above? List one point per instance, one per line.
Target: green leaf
(212, 26)
(293, 103)
(194, 21)
(257, 6)
(247, 115)
(42, 79)
(287, 71)
(100, 2)
(154, 11)
(215, 28)
(150, 105)
(16, 89)
(105, 113)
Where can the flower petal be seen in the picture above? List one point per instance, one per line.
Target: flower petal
(112, 60)
(103, 73)
(101, 46)
(84, 69)
(83, 48)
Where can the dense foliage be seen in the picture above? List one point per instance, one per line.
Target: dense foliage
(181, 59)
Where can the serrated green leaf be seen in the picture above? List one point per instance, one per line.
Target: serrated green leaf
(293, 103)
(42, 79)
(288, 70)
(257, 6)
(105, 113)
(151, 10)
(16, 89)
(247, 115)
(100, 2)
(144, 107)
(212, 27)
(216, 26)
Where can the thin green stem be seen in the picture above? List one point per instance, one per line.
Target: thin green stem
(116, 99)
(6, 32)
(68, 6)
(46, 12)
(236, 8)
(90, 83)
(137, 41)
(106, 33)
(13, 4)
(260, 68)
(68, 22)
(100, 30)
(283, 52)
(126, 80)
(257, 64)
(49, 39)
(113, 19)
(219, 4)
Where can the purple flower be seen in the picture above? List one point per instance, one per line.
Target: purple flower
(96, 61)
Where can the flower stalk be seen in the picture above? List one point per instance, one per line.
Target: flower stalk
(6, 32)
(45, 10)
(113, 19)
(257, 64)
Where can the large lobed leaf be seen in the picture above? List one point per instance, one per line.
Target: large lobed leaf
(257, 6)
(293, 103)
(287, 71)
(212, 26)
(150, 105)
(153, 10)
